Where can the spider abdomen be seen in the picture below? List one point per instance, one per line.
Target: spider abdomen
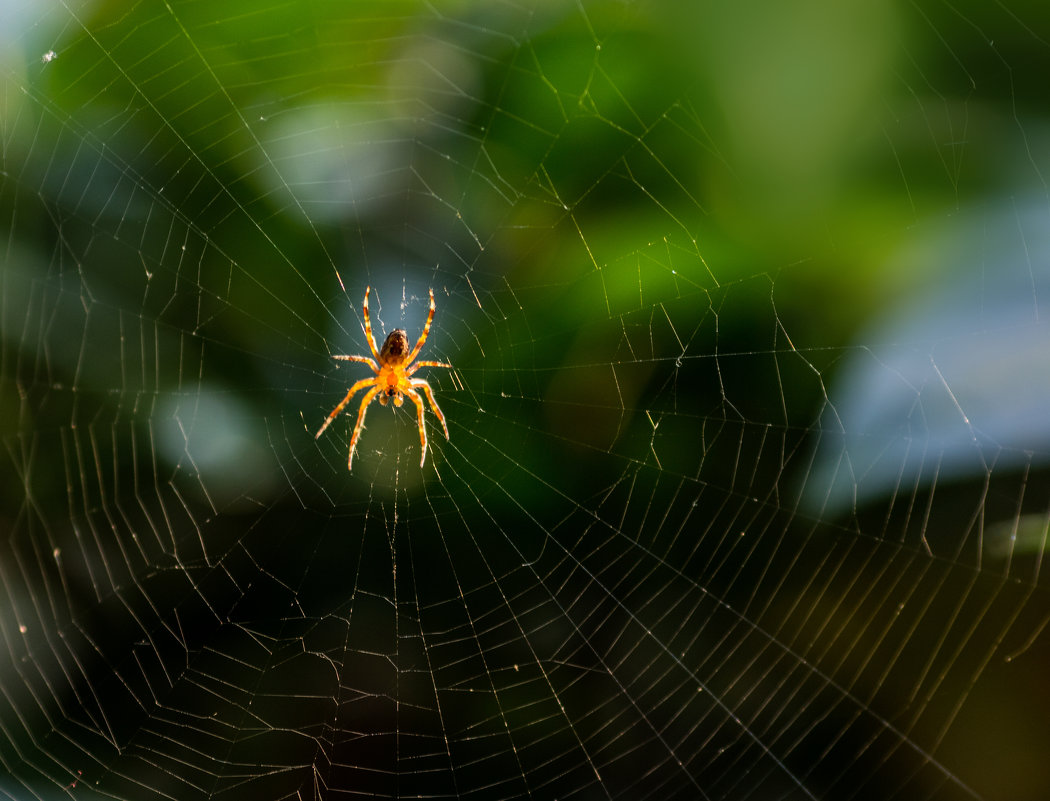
(395, 348)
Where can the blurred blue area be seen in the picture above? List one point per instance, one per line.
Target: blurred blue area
(954, 379)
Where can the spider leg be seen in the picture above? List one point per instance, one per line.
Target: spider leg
(419, 383)
(368, 328)
(426, 331)
(364, 382)
(360, 422)
(419, 414)
(363, 359)
(417, 365)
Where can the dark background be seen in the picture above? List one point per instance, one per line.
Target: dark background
(745, 494)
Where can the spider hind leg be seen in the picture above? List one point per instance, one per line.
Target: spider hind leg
(368, 327)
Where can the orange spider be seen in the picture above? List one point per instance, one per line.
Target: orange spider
(393, 370)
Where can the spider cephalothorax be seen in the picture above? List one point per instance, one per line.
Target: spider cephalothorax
(393, 367)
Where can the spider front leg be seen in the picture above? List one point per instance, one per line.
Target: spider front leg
(419, 383)
(419, 415)
(417, 365)
(360, 422)
(364, 382)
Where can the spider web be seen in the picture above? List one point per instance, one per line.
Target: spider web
(745, 494)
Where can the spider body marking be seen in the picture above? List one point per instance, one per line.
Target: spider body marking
(393, 365)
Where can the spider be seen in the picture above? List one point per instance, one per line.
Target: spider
(393, 367)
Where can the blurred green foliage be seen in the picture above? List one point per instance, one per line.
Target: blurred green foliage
(653, 230)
